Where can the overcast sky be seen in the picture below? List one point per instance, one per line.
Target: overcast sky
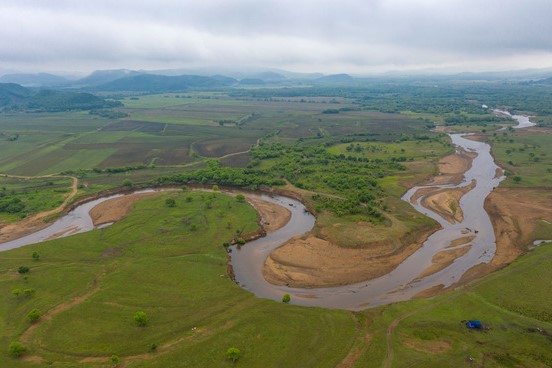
(352, 36)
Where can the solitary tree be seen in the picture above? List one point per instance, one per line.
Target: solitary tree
(16, 349)
(29, 292)
(141, 318)
(286, 298)
(169, 202)
(115, 360)
(23, 269)
(234, 354)
(34, 315)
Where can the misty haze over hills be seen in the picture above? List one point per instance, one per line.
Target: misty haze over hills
(171, 79)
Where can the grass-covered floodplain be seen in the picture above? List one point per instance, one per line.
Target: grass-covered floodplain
(170, 263)
(527, 156)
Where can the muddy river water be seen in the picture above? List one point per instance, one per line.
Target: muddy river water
(400, 284)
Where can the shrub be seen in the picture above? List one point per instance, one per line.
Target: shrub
(23, 269)
(141, 318)
(233, 353)
(286, 298)
(16, 349)
(34, 315)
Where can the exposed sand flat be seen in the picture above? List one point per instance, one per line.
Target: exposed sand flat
(515, 214)
(273, 216)
(309, 261)
(115, 209)
(446, 202)
(452, 168)
(443, 259)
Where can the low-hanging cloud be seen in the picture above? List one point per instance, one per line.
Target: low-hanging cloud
(347, 36)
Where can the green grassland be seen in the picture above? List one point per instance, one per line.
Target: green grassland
(527, 157)
(157, 261)
(170, 263)
(31, 195)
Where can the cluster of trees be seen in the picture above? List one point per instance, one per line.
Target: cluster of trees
(352, 180)
(214, 173)
(122, 169)
(109, 114)
(11, 204)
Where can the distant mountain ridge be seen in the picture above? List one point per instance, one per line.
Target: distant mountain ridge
(335, 78)
(12, 93)
(16, 97)
(162, 83)
(99, 77)
(35, 79)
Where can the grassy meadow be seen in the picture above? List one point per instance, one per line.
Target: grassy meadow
(170, 263)
(526, 156)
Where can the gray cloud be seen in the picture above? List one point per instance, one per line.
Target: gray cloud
(329, 36)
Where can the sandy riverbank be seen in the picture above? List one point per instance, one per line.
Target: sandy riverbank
(309, 261)
(515, 213)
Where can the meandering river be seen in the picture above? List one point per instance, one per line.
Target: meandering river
(400, 284)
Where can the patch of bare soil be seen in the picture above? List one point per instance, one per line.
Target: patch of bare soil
(443, 259)
(515, 214)
(452, 168)
(273, 216)
(115, 209)
(427, 346)
(461, 241)
(308, 261)
(32, 358)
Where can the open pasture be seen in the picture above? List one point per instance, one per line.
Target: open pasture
(527, 156)
(170, 263)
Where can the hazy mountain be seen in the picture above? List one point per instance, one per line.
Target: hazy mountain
(11, 93)
(544, 81)
(162, 83)
(252, 81)
(17, 97)
(335, 78)
(268, 76)
(34, 80)
(104, 76)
